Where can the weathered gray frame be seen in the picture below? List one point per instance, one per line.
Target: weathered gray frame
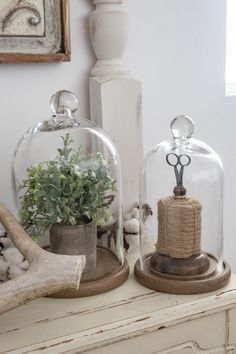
(53, 46)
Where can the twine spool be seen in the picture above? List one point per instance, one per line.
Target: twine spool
(179, 227)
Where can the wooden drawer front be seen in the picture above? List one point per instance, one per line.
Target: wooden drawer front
(232, 326)
(190, 348)
(192, 336)
(202, 335)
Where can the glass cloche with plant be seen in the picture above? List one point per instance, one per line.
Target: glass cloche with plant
(68, 184)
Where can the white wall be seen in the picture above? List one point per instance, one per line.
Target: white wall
(177, 49)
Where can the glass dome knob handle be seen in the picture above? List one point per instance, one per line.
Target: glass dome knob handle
(182, 127)
(64, 102)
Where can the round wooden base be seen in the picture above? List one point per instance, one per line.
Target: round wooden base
(210, 280)
(107, 275)
(188, 266)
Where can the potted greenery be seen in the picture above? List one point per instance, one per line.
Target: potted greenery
(69, 196)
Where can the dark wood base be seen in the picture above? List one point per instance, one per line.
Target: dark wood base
(108, 275)
(187, 266)
(210, 280)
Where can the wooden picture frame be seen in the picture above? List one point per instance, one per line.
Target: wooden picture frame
(34, 31)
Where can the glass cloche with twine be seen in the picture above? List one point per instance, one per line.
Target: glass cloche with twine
(181, 216)
(68, 184)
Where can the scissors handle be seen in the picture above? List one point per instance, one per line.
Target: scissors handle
(172, 159)
(178, 162)
(182, 160)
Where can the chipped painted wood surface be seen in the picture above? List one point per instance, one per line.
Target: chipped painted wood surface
(191, 348)
(232, 326)
(167, 339)
(118, 321)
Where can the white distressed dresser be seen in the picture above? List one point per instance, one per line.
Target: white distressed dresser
(128, 320)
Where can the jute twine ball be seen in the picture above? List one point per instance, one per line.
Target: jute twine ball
(179, 227)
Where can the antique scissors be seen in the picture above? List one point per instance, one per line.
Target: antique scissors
(178, 162)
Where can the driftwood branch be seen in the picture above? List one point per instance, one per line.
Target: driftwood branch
(47, 273)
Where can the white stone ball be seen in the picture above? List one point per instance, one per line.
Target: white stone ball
(7, 242)
(131, 226)
(136, 213)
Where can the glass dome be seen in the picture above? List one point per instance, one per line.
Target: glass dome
(181, 232)
(68, 184)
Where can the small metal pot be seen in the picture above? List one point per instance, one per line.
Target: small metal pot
(76, 240)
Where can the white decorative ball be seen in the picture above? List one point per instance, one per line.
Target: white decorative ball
(131, 226)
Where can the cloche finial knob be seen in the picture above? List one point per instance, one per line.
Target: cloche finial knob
(63, 102)
(182, 127)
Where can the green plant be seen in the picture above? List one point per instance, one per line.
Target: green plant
(72, 189)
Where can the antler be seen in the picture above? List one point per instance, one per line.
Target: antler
(47, 273)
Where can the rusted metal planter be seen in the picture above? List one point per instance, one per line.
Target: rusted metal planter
(73, 240)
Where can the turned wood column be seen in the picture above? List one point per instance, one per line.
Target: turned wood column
(115, 97)
(108, 32)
